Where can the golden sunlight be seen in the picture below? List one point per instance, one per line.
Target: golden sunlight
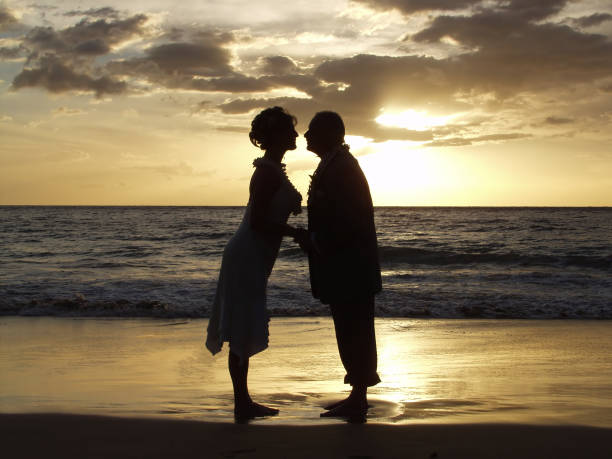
(412, 119)
(398, 172)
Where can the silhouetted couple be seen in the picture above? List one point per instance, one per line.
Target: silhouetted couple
(342, 254)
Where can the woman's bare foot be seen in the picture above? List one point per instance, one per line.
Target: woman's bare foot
(253, 410)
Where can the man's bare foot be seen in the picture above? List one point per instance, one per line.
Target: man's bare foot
(347, 409)
(331, 406)
(253, 410)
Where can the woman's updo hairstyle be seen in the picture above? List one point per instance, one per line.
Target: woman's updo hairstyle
(266, 124)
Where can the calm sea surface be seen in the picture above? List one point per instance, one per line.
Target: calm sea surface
(437, 262)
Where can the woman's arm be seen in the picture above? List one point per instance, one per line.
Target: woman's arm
(264, 184)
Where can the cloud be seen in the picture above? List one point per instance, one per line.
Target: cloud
(55, 76)
(526, 9)
(511, 53)
(7, 19)
(593, 20)
(203, 65)
(556, 120)
(180, 169)
(509, 57)
(10, 52)
(67, 111)
(104, 12)
(463, 141)
(85, 38)
(206, 59)
(415, 6)
(239, 129)
(64, 60)
(491, 56)
(278, 65)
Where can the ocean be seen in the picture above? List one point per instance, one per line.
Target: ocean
(437, 262)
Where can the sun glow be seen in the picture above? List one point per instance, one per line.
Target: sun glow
(399, 173)
(412, 119)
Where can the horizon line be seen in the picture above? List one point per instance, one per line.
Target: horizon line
(376, 206)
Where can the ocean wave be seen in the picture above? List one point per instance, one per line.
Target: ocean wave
(411, 255)
(79, 306)
(390, 303)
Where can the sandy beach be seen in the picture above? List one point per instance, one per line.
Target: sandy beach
(451, 388)
(70, 436)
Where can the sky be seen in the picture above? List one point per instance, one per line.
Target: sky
(445, 102)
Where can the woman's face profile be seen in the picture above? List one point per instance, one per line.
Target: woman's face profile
(286, 137)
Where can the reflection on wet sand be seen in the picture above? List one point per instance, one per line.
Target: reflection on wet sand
(431, 370)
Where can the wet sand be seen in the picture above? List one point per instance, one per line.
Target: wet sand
(433, 371)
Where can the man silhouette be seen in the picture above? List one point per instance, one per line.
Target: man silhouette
(343, 256)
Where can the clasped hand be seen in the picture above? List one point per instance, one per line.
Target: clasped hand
(302, 238)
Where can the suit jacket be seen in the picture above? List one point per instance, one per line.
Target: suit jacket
(345, 268)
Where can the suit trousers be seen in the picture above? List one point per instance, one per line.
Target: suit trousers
(354, 325)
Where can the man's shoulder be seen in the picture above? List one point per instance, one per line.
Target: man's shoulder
(343, 161)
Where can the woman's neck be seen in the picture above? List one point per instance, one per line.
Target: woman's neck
(274, 155)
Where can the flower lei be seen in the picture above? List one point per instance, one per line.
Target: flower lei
(342, 149)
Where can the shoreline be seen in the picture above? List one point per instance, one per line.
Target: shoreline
(77, 436)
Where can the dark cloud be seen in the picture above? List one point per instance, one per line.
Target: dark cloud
(511, 53)
(203, 66)
(10, 52)
(531, 10)
(104, 12)
(64, 60)
(204, 59)
(109, 33)
(56, 77)
(95, 47)
(593, 19)
(414, 6)
(89, 38)
(558, 120)
(7, 19)
(507, 52)
(278, 65)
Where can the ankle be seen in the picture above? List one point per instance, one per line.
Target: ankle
(359, 395)
(243, 400)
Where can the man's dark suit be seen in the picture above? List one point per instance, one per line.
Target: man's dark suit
(344, 266)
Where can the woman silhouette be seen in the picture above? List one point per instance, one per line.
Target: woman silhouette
(239, 313)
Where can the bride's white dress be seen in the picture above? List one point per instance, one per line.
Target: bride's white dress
(239, 313)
